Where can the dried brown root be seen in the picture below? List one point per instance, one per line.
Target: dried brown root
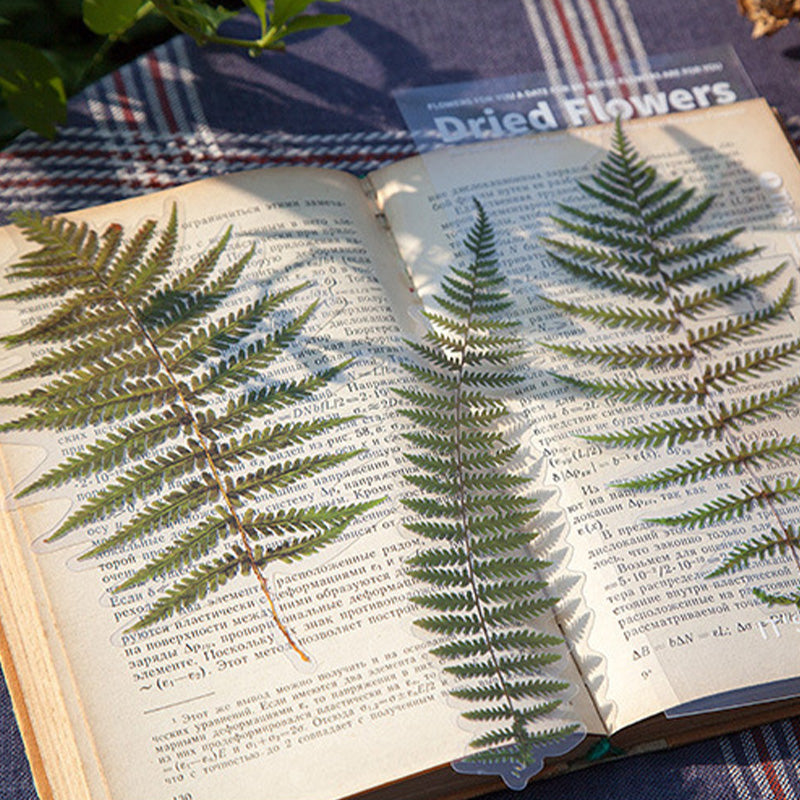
(769, 16)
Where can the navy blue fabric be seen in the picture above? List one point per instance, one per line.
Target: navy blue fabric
(242, 112)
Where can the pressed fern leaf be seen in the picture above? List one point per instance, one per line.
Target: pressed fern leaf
(181, 388)
(636, 246)
(484, 588)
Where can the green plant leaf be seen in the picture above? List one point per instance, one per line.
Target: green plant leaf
(259, 8)
(111, 16)
(32, 87)
(308, 22)
(284, 10)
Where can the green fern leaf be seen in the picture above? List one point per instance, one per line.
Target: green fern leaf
(133, 345)
(648, 319)
(630, 356)
(483, 590)
(774, 543)
(648, 231)
(641, 391)
(733, 506)
(722, 462)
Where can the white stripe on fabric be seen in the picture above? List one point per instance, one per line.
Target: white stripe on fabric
(188, 81)
(603, 60)
(561, 37)
(735, 770)
(97, 108)
(755, 767)
(156, 112)
(634, 39)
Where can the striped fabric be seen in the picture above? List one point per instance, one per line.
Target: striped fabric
(181, 113)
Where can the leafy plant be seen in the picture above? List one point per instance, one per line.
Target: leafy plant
(632, 241)
(485, 587)
(36, 77)
(178, 397)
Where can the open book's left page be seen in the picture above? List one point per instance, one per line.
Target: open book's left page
(217, 701)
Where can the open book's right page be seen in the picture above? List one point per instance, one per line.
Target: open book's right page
(651, 629)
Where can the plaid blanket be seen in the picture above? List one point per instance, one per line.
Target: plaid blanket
(182, 112)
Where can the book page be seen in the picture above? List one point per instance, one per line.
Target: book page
(651, 630)
(213, 703)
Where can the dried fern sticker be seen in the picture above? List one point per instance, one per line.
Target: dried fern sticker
(485, 589)
(177, 387)
(698, 307)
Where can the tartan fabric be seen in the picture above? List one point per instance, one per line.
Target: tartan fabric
(181, 113)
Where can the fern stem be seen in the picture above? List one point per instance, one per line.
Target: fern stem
(462, 489)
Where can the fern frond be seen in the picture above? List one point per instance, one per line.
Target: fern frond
(607, 238)
(704, 296)
(675, 254)
(136, 341)
(131, 441)
(722, 293)
(218, 338)
(675, 217)
(135, 278)
(733, 329)
(648, 319)
(607, 259)
(77, 355)
(604, 278)
(482, 586)
(750, 364)
(774, 543)
(139, 395)
(760, 406)
(257, 403)
(641, 391)
(770, 599)
(533, 687)
(524, 640)
(196, 543)
(516, 665)
(684, 274)
(630, 356)
(201, 581)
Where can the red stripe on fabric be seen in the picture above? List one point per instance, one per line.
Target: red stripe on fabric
(124, 102)
(605, 35)
(571, 43)
(766, 765)
(161, 92)
(189, 158)
(53, 153)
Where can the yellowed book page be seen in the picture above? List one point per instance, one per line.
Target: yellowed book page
(213, 704)
(650, 629)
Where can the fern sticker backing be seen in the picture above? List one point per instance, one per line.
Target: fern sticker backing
(484, 586)
(171, 374)
(703, 336)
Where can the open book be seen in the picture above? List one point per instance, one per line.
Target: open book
(302, 674)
